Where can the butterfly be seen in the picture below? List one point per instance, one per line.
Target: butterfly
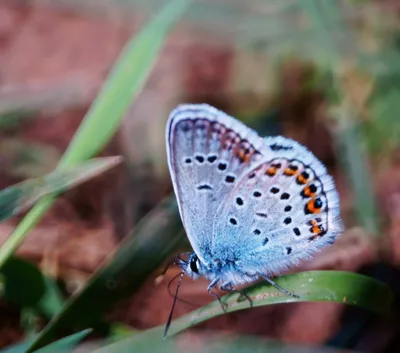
(252, 207)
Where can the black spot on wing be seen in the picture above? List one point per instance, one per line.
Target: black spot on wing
(222, 166)
(233, 221)
(287, 220)
(204, 187)
(212, 158)
(230, 179)
(279, 147)
(285, 196)
(274, 190)
(199, 159)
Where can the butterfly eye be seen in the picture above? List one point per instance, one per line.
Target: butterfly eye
(193, 265)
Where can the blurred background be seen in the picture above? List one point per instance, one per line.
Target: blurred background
(326, 73)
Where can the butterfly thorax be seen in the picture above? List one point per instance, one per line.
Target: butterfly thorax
(224, 270)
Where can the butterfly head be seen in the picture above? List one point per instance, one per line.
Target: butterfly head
(193, 267)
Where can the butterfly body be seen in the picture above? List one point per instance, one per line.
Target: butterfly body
(252, 207)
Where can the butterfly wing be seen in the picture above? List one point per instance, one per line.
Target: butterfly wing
(207, 152)
(281, 212)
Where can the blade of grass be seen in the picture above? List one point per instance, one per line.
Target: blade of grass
(19, 273)
(318, 286)
(354, 160)
(155, 238)
(211, 342)
(16, 348)
(66, 344)
(102, 120)
(19, 197)
(52, 301)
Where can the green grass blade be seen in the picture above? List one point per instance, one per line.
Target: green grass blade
(212, 342)
(124, 82)
(52, 301)
(66, 344)
(102, 120)
(355, 162)
(19, 273)
(154, 239)
(16, 348)
(318, 286)
(19, 197)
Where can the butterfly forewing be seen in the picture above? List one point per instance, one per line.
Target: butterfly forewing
(280, 212)
(208, 151)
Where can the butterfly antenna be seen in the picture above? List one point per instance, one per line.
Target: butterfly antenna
(172, 295)
(173, 262)
(173, 305)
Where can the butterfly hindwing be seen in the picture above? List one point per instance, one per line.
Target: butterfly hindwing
(208, 151)
(282, 211)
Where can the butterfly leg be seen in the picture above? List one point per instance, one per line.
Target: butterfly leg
(227, 287)
(270, 281)
(215, 295)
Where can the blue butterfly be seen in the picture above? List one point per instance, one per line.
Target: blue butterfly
(252, 207)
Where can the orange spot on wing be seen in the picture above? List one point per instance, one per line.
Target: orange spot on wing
(308, 193)
(290, 172)
(315, 230)
(271, 171)
(301, 179)
(244, 151)
(311, 208)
